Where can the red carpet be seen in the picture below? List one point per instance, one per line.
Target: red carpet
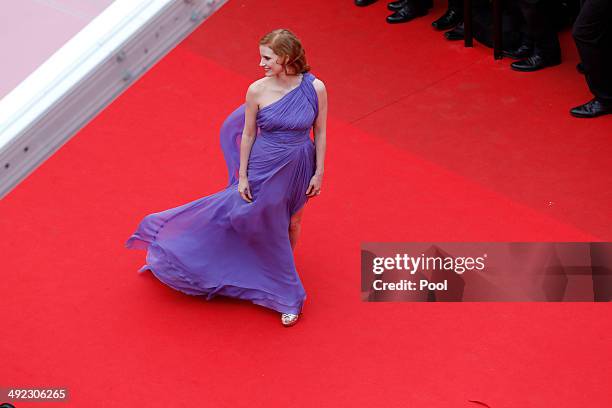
(427, 141)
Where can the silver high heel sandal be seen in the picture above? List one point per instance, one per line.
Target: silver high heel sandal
(289, 319)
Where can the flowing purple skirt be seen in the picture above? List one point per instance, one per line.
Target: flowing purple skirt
(223, 245)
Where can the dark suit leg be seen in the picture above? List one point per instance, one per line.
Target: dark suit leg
(593, 36)
(539, 28)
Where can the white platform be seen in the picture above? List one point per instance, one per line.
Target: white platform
(87, 73)
(32, 30)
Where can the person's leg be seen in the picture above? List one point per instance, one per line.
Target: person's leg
(289, 319)
(539, 27)
(295, 227)
(538, 15)
(592, 33)
(546, 38)
(525, 48)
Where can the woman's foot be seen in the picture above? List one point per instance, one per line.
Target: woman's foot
(289, 319)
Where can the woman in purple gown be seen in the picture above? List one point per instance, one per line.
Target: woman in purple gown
(239, 242)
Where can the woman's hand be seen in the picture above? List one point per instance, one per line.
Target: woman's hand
(244, 189)
(314, 188)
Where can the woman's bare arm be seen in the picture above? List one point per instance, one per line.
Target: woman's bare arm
(250, 128)
(320, 126)
(320, 139)
(248, 138)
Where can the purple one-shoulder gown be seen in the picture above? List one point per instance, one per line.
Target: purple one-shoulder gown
(223, 245)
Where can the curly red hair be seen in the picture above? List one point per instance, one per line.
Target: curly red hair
(287, 46)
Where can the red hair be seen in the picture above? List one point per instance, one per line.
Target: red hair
(287, 46)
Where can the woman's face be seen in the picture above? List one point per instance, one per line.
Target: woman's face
(270, 62)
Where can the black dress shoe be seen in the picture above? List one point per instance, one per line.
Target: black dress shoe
(456, 34)
(448, 20)
(535, 63)
(580, 68)
(396, 5)
(591, 109)
(524, 51)
(406, 14)
(363, 3)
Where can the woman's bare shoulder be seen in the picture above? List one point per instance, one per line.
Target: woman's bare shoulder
(319, 85)
(256, 89)
(258, 85)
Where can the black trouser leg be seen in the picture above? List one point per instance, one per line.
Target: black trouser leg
(456, 5)
(539, 27)
(593, 36)
(519, 20)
